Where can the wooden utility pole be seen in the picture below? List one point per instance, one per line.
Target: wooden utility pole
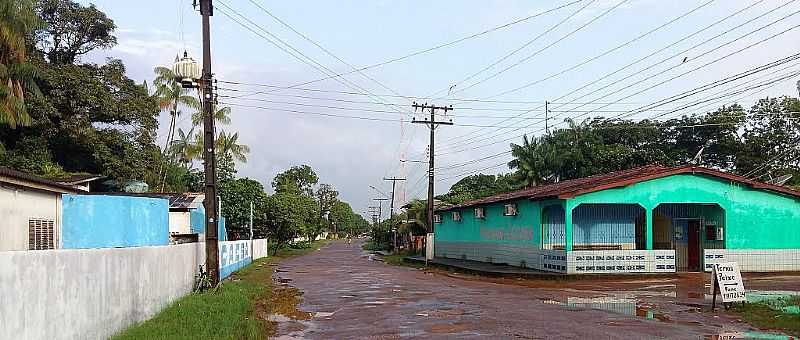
(394, 182)
(432, 124)
(210, 166)
(380, 206)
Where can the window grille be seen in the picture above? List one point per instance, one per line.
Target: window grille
(41, 234)
(480, 213)
(456, 216)
(437, 218)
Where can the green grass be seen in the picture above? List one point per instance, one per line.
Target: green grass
(235, 311)
(770, 316)
(399, 260)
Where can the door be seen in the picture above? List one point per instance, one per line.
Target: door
(693, 245)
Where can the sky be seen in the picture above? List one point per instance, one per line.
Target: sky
(586, 58)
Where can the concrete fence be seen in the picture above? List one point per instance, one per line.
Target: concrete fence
(260, 249)
(95, 293)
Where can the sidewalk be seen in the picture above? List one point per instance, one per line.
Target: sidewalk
(487, 268)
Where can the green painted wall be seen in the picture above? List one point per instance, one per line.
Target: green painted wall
(524, 228)
(754, 219)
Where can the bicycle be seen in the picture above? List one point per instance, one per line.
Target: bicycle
(202, 281)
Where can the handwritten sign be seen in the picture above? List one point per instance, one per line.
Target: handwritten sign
(729, 280)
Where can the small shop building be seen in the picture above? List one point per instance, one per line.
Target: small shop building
(651, 219)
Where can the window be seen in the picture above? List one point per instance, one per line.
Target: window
(480, 213)
(41, 234)
(437, 218)
(714, 233)
(510, 209)
(456, 216)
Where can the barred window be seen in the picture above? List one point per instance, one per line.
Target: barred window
(41, 234)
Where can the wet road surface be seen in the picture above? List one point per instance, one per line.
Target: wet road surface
(351, 296)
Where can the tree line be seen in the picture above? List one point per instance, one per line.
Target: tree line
(299, 207)
(762, 143)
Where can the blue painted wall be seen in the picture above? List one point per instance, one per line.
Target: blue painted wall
(233, 255)
(94, 221)
(197, 218)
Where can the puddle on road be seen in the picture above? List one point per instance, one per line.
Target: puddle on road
(612, 304)
(748, 335)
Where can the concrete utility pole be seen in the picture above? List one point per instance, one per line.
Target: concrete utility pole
(380, 206)
(210, 166)
(394, 182)
(546, 112)
(251, 230)
(432, 124)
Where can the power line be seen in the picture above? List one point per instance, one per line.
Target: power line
(523, 60)
(646, 57)
(680, 75)
(443, 45)
(525, 45)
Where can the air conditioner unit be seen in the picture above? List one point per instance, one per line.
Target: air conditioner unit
(480, 213)
(510, 209)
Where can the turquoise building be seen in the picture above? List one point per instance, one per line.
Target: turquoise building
(648, 219)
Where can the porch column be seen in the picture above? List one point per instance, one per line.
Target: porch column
(568, 226)
(648, 230)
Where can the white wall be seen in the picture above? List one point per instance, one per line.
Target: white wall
(17, 206)
(90, 293)
(260, 249)
(179, 222)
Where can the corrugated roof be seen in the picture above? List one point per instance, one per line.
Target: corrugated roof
(574, 187)
(177, 200)
(24, 176)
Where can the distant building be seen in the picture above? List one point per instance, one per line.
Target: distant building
(30, 211)
(647, 219)
(84, 182)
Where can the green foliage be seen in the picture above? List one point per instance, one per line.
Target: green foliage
(17, 22)
(730, 138)
(478, 186)
(289, 214)
(770, 315)
(73, 30)
(236, 196)
(298, 179)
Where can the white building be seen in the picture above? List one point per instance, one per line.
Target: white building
(30, 211)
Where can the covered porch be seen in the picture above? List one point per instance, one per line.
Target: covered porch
(601, 237)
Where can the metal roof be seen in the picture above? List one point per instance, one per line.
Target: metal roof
(574, 187)
(30, 178)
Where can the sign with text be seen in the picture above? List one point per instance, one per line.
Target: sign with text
(729, 280)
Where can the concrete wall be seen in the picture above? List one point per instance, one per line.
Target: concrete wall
(95, 221)
(90, 293)
(197, 219)
(17, 206)
(260, 249)
(755, 260)
(95, 293)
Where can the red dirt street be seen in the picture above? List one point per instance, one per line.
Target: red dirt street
(352, 296)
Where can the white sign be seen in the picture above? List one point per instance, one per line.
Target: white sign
(429, 247)
(729, 280)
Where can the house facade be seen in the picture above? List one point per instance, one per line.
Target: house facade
(30, 211)
(646, 220)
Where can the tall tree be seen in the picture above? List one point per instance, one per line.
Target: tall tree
(236, 196)
(73, 30)
(298, 179)
(17, 21)
(327, 196)
(171, 98)
(221, 115)
(228, 146)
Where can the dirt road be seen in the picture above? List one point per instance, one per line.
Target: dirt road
(352, 296)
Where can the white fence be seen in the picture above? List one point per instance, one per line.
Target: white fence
(620, 261)
(95, 293)
(755, 260)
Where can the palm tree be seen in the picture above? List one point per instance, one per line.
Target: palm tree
(17, 20)
(222, 116)
(183, 149)
(529, 161)
(228, 145)
(171, 96)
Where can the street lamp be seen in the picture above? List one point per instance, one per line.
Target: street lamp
(187, 71)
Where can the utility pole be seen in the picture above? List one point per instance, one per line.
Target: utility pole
(432, 124)
(394, 182)
(380, 206)
(212, 215)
